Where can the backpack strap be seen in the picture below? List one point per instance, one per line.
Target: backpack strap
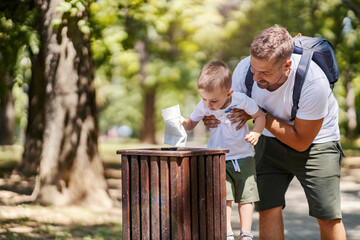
(301, 72)
(249, 82)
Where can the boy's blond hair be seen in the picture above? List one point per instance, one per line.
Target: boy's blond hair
(273, 42)
(215, 74)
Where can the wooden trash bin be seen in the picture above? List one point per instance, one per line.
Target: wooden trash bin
(173, 193)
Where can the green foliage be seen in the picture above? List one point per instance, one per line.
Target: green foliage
(16, 32)
(179, 37)
(18, 40)
(177, 43)
(72, 9)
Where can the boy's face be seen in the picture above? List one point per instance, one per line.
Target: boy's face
(215, 99)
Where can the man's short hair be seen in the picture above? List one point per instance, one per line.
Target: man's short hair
(215, 74)
(273, 42)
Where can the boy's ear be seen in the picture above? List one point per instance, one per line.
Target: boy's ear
(229, 93)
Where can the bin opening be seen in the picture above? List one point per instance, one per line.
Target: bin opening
(169, 149)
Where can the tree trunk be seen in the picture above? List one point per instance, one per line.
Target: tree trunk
(70, 170)
(147, 134)
(7, 115)
(351, 111)
(148, 131)
(36, 119)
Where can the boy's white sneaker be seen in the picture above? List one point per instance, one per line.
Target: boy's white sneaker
(246, 236)
(230, 236)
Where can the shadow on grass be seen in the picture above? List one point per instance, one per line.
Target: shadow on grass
(24, 220)
(25, 228)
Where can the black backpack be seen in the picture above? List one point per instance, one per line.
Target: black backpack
(320, 51)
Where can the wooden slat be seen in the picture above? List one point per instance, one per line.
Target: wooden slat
(144, 198)
(165, 200)
(135, 198)
(202, 199)
(125, 192)
(223, 196)
(175, 186)
(185, 183)
(194, 198)
(217, 203)
(154, 198)
(209, 197)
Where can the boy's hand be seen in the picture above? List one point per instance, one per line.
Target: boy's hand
(252, 137)
(182, 121)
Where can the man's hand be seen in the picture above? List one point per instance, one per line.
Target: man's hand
(211, 121)
(238, 115)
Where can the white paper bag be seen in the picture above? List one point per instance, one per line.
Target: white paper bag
(175, 133)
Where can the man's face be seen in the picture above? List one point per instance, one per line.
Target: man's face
(268, 73)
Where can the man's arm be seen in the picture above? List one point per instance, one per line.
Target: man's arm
(299, 137)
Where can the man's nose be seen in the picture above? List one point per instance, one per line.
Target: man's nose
(257, 76)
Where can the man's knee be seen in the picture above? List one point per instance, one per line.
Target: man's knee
(271, 224)
(328, 224)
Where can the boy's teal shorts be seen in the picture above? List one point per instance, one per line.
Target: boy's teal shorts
(241, 186)
(318, 170)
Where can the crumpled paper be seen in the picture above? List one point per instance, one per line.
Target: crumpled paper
(175, 133)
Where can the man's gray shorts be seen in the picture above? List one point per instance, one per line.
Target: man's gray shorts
(318, 170)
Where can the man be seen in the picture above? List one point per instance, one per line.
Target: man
(307, 148)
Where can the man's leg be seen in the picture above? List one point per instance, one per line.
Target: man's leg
(332, 229)
(271, 226)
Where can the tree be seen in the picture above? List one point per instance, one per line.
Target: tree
(6, 112)
(70, 170)
(15, 36)
(348, 52)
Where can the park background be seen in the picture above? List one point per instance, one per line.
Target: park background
(80, 79)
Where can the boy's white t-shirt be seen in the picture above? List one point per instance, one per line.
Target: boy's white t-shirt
(226, 135)
(316, 99)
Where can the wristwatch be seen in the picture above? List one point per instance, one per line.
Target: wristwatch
(264, 111)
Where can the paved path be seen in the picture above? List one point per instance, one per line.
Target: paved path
(299, 225)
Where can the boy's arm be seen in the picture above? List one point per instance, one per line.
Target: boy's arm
(259, 125)
(259, 121)
(188, 124)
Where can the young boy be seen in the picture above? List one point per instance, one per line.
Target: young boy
(214, 85)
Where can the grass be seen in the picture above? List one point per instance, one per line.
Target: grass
(30, 221)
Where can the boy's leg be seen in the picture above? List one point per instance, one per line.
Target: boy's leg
(246, 214)
(332, 229)
(228, 215)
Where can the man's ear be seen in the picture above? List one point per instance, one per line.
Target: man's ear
(229, 93)
(287, 65)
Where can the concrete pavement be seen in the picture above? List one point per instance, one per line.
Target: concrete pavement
(299, 225)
